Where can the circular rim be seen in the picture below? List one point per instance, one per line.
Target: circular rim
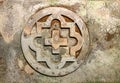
(33, 63)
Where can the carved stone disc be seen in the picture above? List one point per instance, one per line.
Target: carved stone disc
(55, 41)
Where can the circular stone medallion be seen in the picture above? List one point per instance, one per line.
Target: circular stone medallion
(55, 41)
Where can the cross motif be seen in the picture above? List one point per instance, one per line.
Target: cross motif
(56, 41)
(58, 30)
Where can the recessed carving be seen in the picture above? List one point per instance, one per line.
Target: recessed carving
(56, 37)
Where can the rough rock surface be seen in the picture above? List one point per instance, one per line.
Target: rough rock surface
(102, 18)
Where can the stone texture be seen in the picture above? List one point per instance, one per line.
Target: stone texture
(28, 70)
(20, 64)
(102, 18)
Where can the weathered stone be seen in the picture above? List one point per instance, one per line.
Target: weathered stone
(55, 21)
(28, 69)
(102, 18)
(20, 64)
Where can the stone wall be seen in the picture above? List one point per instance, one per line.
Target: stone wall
(102, 18)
